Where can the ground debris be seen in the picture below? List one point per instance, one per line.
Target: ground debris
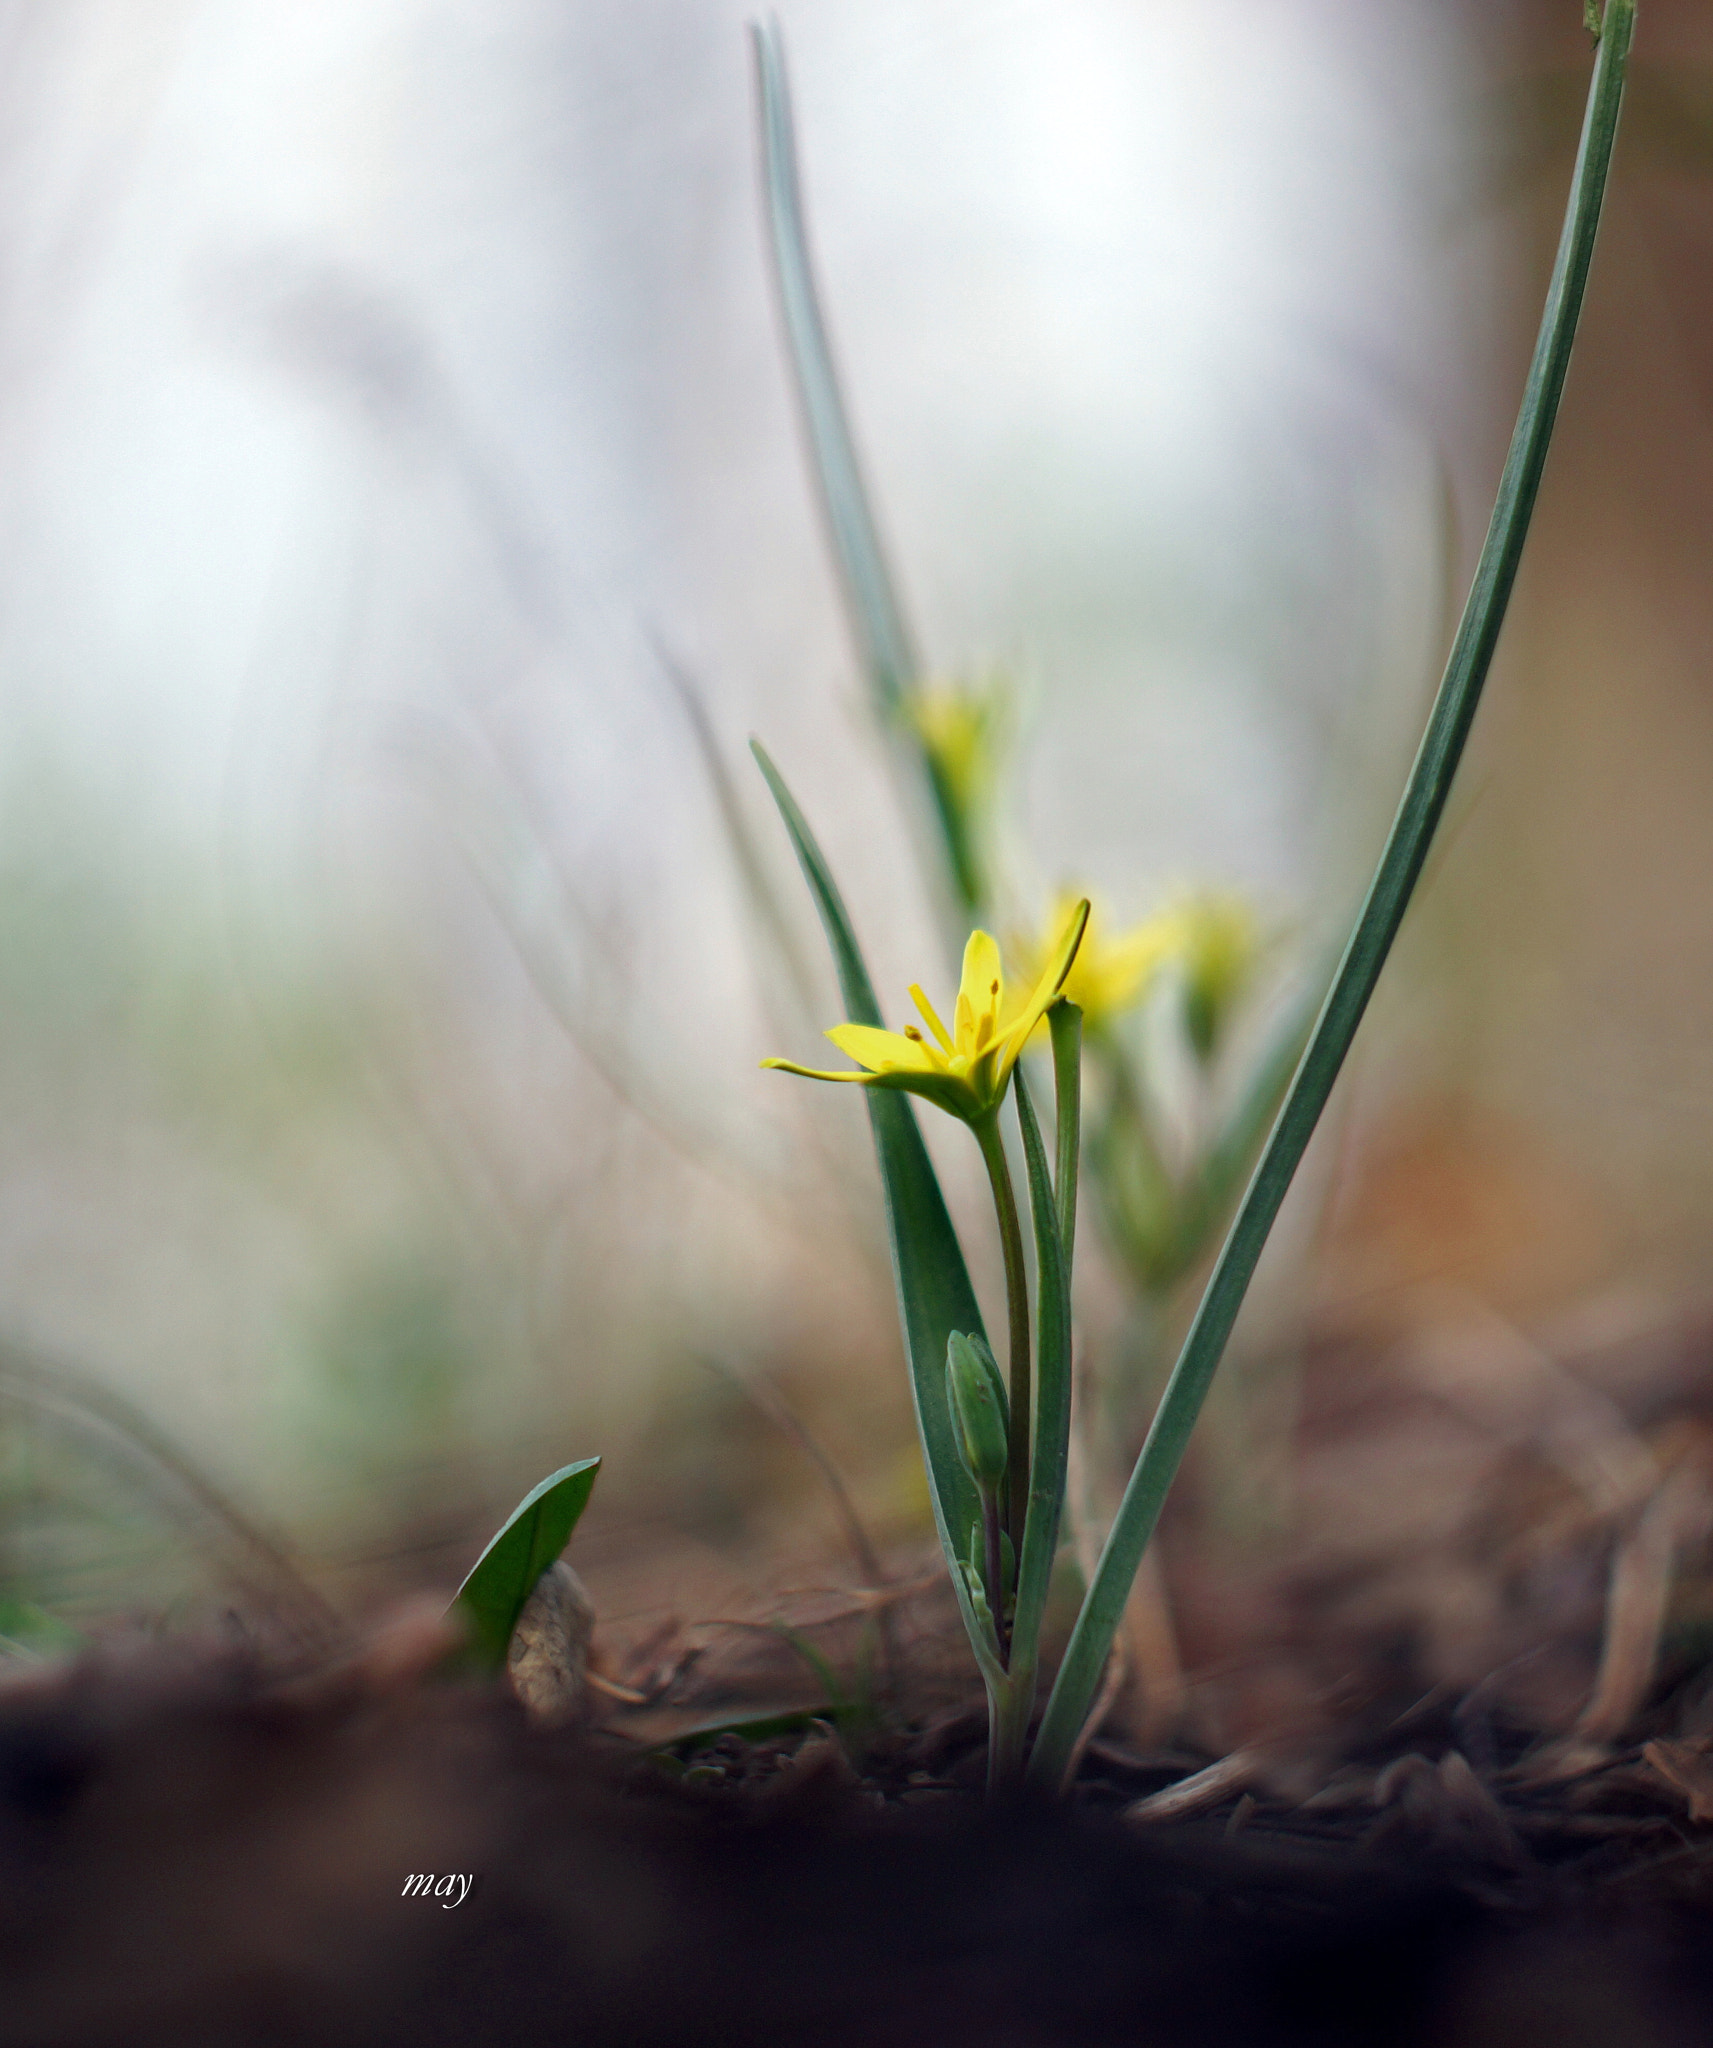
(1196, 1794)
(548, 1661)
(1687, 1771)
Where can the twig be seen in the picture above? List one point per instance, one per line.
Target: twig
(1196, 1794)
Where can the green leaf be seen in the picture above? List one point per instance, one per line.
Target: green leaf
(1065, 1023)
(934, 1292)
(504, 1576)
(27, 1630)
(1050, 1446)
(876, 615)
(1376, 925)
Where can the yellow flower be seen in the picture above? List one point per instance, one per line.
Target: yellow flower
(1110, 974)
(965, 1070)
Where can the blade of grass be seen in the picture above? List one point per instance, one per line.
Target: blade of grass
(934, 1292)
(876, 615)
(1376, 925)
(1065, 1022)
(1050, 1446)
(530, 1539)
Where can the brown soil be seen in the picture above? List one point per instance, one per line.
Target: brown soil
(194, 1851)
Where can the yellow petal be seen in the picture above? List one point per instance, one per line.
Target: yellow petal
(981, 990)
(815, 1073)
(1047, 988)
(884, 1052)
(1110, 974)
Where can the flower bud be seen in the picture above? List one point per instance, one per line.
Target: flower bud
(980, 1411)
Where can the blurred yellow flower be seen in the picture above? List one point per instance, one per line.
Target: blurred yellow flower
(964, 1071)
(1210, 940)
(1109, 974)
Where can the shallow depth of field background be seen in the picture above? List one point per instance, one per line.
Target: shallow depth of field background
(391, 400)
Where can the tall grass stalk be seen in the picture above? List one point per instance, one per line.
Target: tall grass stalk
(1376, 925)
(870, 592)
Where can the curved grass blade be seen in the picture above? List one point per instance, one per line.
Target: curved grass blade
(504, 1576)
(934, 1292)
(1376, 925)
(877, 617)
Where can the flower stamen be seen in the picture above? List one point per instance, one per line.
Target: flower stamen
(931, 1019)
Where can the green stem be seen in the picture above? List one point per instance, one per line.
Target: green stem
(1008, 1709)
(1065, 1022)
(1049, 1452)
(995, 1571)
(1376, 926)
(1017, 1307)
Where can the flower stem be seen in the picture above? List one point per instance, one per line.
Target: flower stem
(1008, 1709)
(995, 1571)
(1017, 1306)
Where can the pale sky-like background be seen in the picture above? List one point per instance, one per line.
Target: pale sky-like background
(383, 385)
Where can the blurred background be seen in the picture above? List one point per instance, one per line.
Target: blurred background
(403, 510)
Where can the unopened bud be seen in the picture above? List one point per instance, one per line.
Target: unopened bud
(980, 1411)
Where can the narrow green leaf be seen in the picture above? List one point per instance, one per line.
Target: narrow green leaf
(530, 1540)
(934, 1292)
(876, 615)
(1065, 1022)
(1050, 1446)
(1376, 925)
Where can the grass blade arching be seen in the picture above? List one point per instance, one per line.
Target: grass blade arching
(934, 1292)
(1376, 925)
(876, 615)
